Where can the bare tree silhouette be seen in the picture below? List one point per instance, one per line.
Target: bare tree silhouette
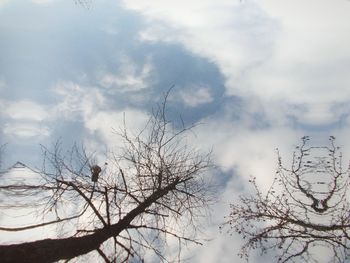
(305, 213)
(2, 146)
(152, 193)
(84, 3)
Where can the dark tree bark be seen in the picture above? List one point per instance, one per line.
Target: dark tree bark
(51, 250)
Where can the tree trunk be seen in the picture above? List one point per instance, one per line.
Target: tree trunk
(51, 250)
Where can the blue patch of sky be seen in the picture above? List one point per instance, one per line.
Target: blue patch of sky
(44, 44)
(178, 68)
(222, 178)
(70, 44)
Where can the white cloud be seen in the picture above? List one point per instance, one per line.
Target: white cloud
(290, 53)
(250, 152)
(24, 119)
(317, 32)
(77, 101)
(25, 130)
(106, 123)
(130, 77)
(196, 96)
(43, 1)
(26, 110)
(3, 2)
(92, 108)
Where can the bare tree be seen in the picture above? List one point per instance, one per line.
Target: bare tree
(150, 193)
(2, 146)
(84, 3)
(304, 214)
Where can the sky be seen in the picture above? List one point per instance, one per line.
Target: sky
(257, 74)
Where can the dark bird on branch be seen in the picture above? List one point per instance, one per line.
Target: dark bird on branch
(95, 172)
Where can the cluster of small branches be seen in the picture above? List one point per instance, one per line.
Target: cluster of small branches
(84, 3)
(145, 196)
(2, 146)
(306, 210)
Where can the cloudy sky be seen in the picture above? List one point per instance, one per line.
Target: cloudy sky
(257, 75)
